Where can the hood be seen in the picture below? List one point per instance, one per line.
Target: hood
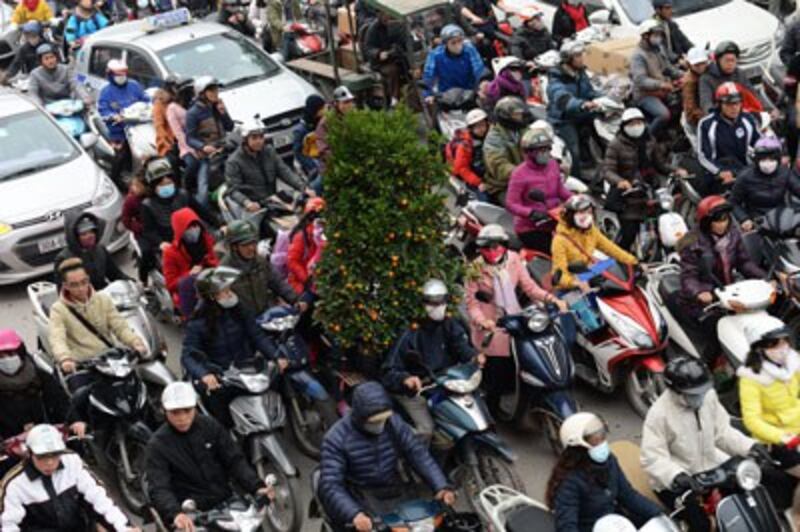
(745, 24)
(181, 220)
(369, 399)
(71, 219)
(286, 93)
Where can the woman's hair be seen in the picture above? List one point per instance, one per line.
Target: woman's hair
(571, 459)
(755, 358)
(304, 221)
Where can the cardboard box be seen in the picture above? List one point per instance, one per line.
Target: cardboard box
(346, 56)
(609, 57)
(343, 21)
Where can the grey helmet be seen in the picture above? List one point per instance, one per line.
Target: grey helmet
(491, 234)
(434, 292)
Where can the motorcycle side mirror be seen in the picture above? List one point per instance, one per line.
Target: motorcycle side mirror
(88, 141)
(189, 506)
(577, 267)
(483, 296)
(535, 195)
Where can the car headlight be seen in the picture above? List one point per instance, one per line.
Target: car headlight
(5, 228)
(464, 386)
(538, 321)
(105, 192)
(748, 475)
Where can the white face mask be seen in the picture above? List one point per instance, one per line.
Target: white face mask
(10, 365)
(768, 166)
(191, 235)
(778, 355)
(120, 80)
(436, 312)
(228, 302)
(655, 41)
(584, 220)
(634, 131)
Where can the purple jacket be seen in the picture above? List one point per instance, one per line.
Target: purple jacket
(504, 85)
(528, 176)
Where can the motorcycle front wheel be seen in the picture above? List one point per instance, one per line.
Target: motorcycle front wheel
(132, 488)
(643, 387)
(283, 515)
(491, 469)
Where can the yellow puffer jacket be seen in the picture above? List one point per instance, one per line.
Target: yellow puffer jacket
(769, 400)
(564, 250)
(22, 14)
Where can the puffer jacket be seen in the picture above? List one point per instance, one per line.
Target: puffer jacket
(31, 395)
(178, 260)
(714, 77)
(528, 43)
(501, 154)
(564, 25)
(205, 124)
(565, 250)
(258, 285)
(769, 399)
(254, 176)
(305, 250)
(584, 496)
(567, 91)
(531, 176)
(676, 439)
(354, 458)
(22, 14)
(465, 157)
(445, 71)
(157, 216)
(79, 27)
(113, 100)
(755, 194)
(649, 69)
(504, 84)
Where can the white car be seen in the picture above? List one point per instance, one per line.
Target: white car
(43, 174)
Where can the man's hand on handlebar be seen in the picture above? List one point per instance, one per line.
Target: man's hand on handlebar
(624, 185)
(446, 496)
(183, 522)
(78, 429)
(251, 206)
(210, 381)
(748, 226)
(362, 522)
(413, 383)
(68, 366)
(727, 177)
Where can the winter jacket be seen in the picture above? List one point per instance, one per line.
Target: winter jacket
(176, 120)
(713, 78)
(258, 285)
(564, 25)
(353, 458)
(528, 43)
(245, 27)
(722, 144)
(199, 464)
(304, 252)
(205, 124)
(676, 439)
(157, 216)
(302, 154)
(32, 502)
(31, 395)
(445, 71)
(769, 400)
(584, 496)
(465, 157)
(676, 42)
(791, 43)
(25, 60)
(70, 339)
(113, 100)
(501, 154)
(78, 27)
(47, 86)
(165, 138)
(480, 278)
(754, 193)
(383, 38)
(504, 85)
(649, 69)
(132, 214)
(23, 14)
(254, 176)
(177, 260)
(98, 262)
(567, 91)
(441, 344)
(571, 244)
(215, 342)
(690, 95)
(530, 176)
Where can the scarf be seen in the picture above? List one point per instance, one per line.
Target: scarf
(577, 14)
(782, 373)
(25, 380)
(721, 248)
(504, 295)
(505, 85)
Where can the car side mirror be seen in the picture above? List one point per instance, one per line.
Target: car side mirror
(483, 296)
(88, 141)
(189, 506)
(600, 17)
(535, 195)
(577, 267)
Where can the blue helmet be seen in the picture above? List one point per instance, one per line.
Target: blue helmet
(451, 31)
(32, 26)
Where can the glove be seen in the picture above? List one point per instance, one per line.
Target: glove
(760, 452)
(538, 216)
(684, 482)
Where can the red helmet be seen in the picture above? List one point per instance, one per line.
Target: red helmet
(314, 205)
(711, 205)
(9, 340)
(728, 92)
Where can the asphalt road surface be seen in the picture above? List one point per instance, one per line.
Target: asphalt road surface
(535, 458)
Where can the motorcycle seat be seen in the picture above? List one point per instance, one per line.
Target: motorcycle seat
(541, 270)
(669, 287)
(520, 520)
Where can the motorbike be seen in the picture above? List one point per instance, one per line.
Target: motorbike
(241, 514)
(258, 415)
(69, 115)
(451, 110)
(279, 212)
(312, 411)
(301, 40)
(139, 132)
(621, 335)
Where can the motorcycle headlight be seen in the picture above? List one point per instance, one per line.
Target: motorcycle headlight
(464, 386)
(748, 475)
(255, 383)
(226, 524)
(5, 228)
(629, 330)
(538, 321)
(105, 193)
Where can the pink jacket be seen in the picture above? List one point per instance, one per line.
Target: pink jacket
(526, 177)
(479, 312)
(176, 118)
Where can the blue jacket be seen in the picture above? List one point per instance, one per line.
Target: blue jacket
(722, 145)
(205, 124)
(235, 338)
(445, 71)
(114, 99)
(580, 500)
(566, 93)
(352, 457)
(78, 27)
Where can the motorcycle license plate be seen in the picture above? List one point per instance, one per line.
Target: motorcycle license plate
(47, 245)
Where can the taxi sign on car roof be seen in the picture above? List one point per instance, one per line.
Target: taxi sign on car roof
(168, 19)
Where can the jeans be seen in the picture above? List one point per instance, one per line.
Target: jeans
(569, 134)
(203, 172)
(659, 114)
(190, 166)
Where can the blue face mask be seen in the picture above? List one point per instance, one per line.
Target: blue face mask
(166, 191)
(599, 453)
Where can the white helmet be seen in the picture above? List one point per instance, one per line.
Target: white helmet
(765, 328)
(570, 49)
(342, 94)
(650, 25)
(178, 395)
(204, 82)
(475, 116)
(116, 65)
(501, 63)
(45, 439)
(543, 125)
(577, 427)
(434, 292)
(491, 233)
(253, 126)
(614, 523)
(631, 113)
(697, 55)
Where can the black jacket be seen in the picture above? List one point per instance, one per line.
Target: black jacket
(755, 194)
(258, 286)
(563, 25)
(255, 176)
(678, 43)
(99, 264)
(199, 464)
(157, 217)
(791, 43)
(527, 43)
(29, 396)
(25, 60)
(382, 38)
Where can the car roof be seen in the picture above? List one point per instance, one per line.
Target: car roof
(12, 103)
(136, 32)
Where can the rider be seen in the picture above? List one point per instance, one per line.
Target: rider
(343, 102)
(438, 342)
(508, 80)
(84, 322)
(454, 63)
(501, 151)
(53, 490)
(38, 11)
(385, 47)
(633, 158)
(464, 153)
(258, 286)
(253, 170)
(307, 241)
(570, 96)
(221, 333)
(532, 38)
(233, 13)
(207, 121)
(117, 95)
(52, 81)
(25, 59)
(84, 231)
(689, 406)
(570, 18)
(765, 185)
(539, 173)
(653, 75)
(676, 43)
(588, 483)
(185, 440)
(724, 69)
(577, 237)
(697, 59)
(359, 461)
(724, 138)
(85, 20)
(304, 138)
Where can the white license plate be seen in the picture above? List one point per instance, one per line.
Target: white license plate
(283, 140)
(51, 244)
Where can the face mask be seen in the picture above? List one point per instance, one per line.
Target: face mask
(655, 41)
(374, 427)
(584, 220)
(192, 235)
(540, 157)
(436, 312)
(229, 302)
(778, 355)
(599, 453)
(516, 74)
(10, 365)
(634, 131)
(768, 166)
(455, 49)
(493, 255)
(120, 80)
(166, 191)
(694, 401)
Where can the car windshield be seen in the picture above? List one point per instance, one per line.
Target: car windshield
(639, 11)
(229, 57)
(29, 142)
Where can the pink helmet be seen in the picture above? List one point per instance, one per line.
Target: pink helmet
(9, 340)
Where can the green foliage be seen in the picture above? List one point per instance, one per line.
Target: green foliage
(384, 223)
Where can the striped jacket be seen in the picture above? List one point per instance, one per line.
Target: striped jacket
(722, 144)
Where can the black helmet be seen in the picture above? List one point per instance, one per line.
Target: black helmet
(767, 147)
(687, 375)
(726, 47)
(156, 169)
(241, 232)
(513, 113)
(212, 281)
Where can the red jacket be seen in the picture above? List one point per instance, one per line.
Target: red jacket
(177, 262)
(301, 255)
(459, 155)
(132, 214)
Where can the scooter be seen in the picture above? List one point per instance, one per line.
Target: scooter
(279, 213)
(69, 115)
(301, 40)
(451, 110)
(139, 132)
(241, 514)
